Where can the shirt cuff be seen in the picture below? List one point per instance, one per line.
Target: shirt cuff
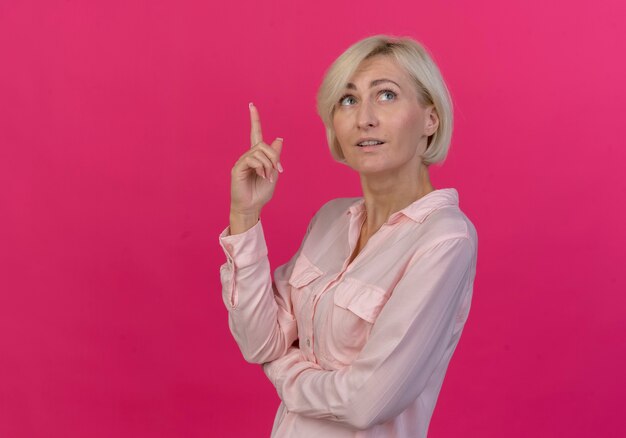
(244, 249)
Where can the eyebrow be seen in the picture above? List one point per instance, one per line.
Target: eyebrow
(375, 82)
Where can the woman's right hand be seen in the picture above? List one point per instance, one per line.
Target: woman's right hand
(254, 175)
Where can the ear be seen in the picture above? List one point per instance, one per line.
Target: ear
(432, 121)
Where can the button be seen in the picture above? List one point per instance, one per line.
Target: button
(308, 342)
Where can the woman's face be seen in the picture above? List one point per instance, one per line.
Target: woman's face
(381, 107)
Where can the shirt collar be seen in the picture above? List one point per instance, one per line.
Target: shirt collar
(419, 210)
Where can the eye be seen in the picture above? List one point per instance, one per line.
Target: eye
(347, 100)
(388, 95)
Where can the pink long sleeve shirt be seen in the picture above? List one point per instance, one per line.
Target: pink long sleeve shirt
(355, 349)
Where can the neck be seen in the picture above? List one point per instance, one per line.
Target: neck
(387, 194)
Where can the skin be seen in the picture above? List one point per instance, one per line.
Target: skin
(253, 177)
(381, 102)
(392, 174)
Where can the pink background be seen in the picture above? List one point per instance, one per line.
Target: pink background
(120, 121)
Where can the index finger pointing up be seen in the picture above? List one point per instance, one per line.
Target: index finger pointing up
(256, 136)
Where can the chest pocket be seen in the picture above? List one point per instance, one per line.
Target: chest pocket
(364, 300)
(356, 306)
(302, 281)
(304, 272)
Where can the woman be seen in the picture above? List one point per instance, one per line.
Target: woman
(357, 329)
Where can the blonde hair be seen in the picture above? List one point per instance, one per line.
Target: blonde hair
(414, 58)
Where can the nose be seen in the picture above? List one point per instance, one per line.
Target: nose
(366, 115)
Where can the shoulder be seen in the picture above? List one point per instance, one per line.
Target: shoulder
(334, 208)
(449, 222)
(327, 222)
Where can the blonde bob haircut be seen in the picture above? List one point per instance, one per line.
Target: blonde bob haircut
(413, 57)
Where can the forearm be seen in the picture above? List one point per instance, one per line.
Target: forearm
(242, 222)
(262, 330)
(261, 327)
(357, 396)
(308, 390)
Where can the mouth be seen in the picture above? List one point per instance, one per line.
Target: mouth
(369, 142)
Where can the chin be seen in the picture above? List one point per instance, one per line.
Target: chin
(372, 169)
